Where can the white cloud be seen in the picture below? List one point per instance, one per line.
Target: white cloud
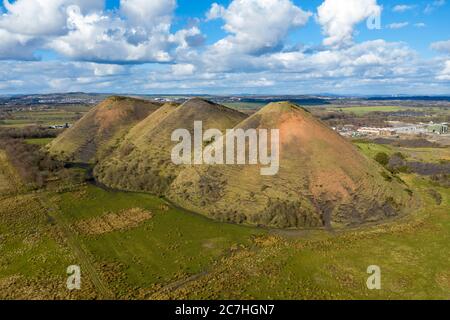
(359, 60)
(445, 73)
(101, 70)
(403, 7)
(257, 26)
(102, 37)
(183, 69)
(433, 6)
(420, 25)
(397, 25)
(261, 82)
(15, 46)
(215, 12)
(339, 17)
(255, 56)
(37, 17)
(441, 46)
(81, 30)
(146, 15)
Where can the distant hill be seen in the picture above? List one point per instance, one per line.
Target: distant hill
(323, 180)
(94, 135)
(143, 162)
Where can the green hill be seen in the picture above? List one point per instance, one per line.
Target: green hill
(143, 162)
(323, 180)
(96, 133)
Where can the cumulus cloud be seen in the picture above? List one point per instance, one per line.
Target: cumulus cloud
(102, 37)
(110, 50)
(339, 17)
(145, 18)
(82, 30)
(215, 12)
(362, 60)
(441, 46)
(445, 73)
(16, 46)
(37, 17)
(183, 69)
(256, 26)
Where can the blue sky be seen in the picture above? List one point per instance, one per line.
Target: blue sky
(225, 46)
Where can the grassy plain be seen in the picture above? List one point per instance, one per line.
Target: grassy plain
(359, 111)
(57, 116)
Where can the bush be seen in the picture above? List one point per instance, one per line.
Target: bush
(382, 158)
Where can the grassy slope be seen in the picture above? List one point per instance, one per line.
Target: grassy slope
(147, 165)
(9, 180)
(39, 141)
(100, 128)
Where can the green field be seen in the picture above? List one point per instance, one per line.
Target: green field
(432, 155)
(363, 110)
(56, 116)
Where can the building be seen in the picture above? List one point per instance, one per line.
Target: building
(438, 128)
(376, 131)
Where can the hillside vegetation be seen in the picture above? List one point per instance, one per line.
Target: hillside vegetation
(143, 162)
(323, 180)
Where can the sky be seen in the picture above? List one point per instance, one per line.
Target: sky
(347, 47)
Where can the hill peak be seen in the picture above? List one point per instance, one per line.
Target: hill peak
(196, 102)
(282, 107)
(113, 99)
(200, 105)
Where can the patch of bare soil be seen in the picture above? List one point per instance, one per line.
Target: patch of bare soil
(123, 220)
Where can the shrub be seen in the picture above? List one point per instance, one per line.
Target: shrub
(382, 158)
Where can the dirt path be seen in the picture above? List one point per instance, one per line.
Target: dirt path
(83, 258)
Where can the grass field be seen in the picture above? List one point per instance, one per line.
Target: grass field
(359, 111)
(433, 155)
(39, 141)
(58, 116)
(172, 245)
(364, 110)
